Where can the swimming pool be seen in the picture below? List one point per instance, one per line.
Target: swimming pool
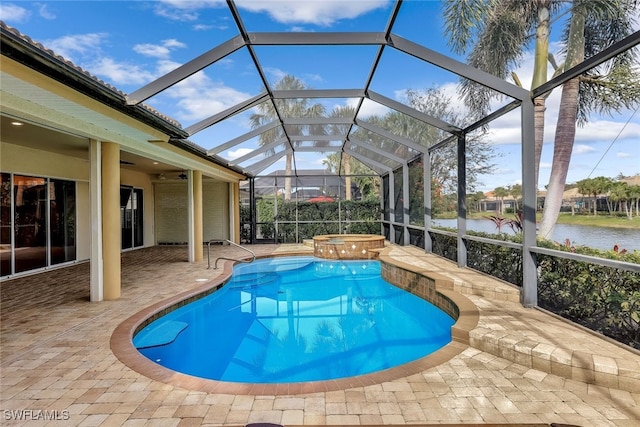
(296, 319)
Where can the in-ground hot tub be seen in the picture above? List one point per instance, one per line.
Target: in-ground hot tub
(347, 246)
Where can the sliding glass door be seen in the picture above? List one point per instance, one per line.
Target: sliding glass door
(30, 222)
(131, 217)
(38, 223)
(62, 217)
(6, 224)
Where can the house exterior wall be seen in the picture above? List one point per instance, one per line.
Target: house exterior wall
(171, 211)
(215, 212)
(63, 122)
(31, 162)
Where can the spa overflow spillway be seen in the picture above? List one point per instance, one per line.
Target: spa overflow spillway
(296, 319)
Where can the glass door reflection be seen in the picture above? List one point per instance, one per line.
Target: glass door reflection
(30, 222)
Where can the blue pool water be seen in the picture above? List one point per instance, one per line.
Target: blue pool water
(297, 319)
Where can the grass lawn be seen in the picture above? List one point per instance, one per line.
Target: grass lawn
(601, 220)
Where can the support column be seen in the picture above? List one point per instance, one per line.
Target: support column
(426, 166)
(462, 200)
(234, 212)
(406, 238)
(392, 206)
(529, 294)
(198, 223)
(111, 228)
(253, 210)
(96, 281)
(191, 229)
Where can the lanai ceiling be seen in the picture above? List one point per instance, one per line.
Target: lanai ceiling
(366, 58)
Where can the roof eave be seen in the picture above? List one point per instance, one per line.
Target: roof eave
(193, 148)
(21, 49)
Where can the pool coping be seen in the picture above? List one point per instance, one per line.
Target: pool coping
(123, 348)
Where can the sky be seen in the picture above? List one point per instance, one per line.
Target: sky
(128, 44)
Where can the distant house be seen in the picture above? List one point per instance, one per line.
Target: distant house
(491, 203)
(573, 200)
(306, 185)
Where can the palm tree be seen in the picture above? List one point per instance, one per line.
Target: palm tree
(594, 25)
(339, 129)
(501, 193)
(300, 107)
(634, 194)
(620, 193)
(365, 181)
(594, 187)
(502, 30)
(516, 191)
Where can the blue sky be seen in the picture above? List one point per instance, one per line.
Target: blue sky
(130, 43)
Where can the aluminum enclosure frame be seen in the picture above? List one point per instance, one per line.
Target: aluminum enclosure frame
(520, 98)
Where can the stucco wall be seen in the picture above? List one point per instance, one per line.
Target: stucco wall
(171, 211)
(28, 161)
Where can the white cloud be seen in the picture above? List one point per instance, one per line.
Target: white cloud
(234, 154)
(10, 12)
(158, 51)
(324, 12)
(221, 23)
(583, 149)
(275, 73)
(369, 108)
(184, 10)
(607, 131)
(173, 43)
(153, 50)
(622, 155)
(76, 45)
(545, 165)
(44, 12)
(121, 73)
(199, 97)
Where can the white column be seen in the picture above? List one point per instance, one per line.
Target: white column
(191, 217)
(95, 194)
(232, 212)
(198, 231)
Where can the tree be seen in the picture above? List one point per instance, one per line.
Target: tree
(341, 131)
(500, 31)
(516, 191)
(620, 193)
(300, 107)
(501, 193)
(634, 196)
(594, 187)
(474, 200)
(435, 103)
(497, 32)
(365, 179)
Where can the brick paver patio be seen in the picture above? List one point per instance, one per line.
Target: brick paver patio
(56, 361)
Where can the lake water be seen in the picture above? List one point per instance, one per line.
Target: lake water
(580, 235)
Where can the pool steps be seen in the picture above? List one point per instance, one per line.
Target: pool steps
(163, 334)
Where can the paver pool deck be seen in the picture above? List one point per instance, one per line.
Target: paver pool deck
(523, 366)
